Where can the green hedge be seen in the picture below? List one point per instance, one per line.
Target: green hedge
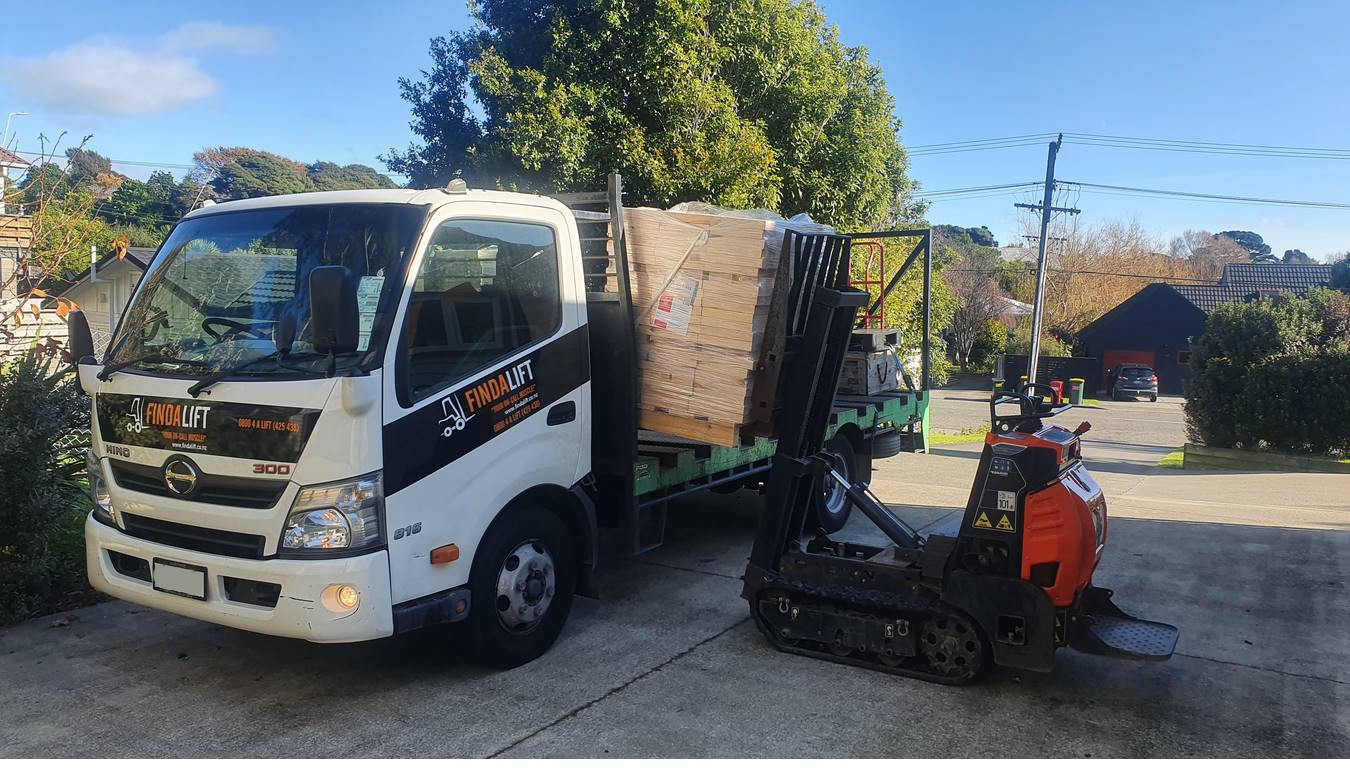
(1274, 375)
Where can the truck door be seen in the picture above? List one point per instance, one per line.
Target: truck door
(486, 384)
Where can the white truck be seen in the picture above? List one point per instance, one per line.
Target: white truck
(339, 416)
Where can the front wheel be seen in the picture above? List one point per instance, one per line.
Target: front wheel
(522, 580)
(1153, 398)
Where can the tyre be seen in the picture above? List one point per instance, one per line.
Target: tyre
(887, 445)
(832, 502)
(522, 580)
(1153, 398)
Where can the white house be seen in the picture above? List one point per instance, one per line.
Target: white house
(12, 167)
(105, 292)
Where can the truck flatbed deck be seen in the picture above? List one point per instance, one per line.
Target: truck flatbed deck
(668, 466)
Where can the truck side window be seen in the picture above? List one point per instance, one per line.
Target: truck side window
(486, 289)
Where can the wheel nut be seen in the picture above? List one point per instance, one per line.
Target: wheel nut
(549, 592)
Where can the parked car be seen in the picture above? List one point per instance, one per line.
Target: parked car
(1132, 379)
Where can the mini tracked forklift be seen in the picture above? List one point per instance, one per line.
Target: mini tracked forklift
(1009, 585)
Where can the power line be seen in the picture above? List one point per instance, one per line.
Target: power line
(1167, 144)
(1211, 197)
(137, 163)
(1035, 136)
(1061, 272)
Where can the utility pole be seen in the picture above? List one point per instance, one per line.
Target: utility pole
(1047, 211)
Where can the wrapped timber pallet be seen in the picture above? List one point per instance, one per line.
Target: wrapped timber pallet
(704, 293)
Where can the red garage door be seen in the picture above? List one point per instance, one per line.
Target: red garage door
(1114, 357)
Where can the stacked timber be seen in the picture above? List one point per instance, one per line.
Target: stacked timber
(703, 288)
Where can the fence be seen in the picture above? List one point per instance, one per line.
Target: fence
(1048, 368)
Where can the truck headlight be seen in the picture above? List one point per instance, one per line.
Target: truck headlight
(338, 517)
(98, 489)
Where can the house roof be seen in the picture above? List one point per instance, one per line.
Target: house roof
(138, 256)
(9, 159)
(1276, 276)
(1241, 283)
(1207, 297)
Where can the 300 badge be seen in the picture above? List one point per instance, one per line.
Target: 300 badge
(279, 469)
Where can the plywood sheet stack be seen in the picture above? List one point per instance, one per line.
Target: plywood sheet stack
(702, 287)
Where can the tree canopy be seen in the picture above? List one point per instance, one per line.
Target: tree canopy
(979, 236)
(1252, 242)
(235, 172)
(745, 103)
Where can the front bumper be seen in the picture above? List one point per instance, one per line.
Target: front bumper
(299, 612)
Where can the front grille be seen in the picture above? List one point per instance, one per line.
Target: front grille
(240, 492)
(190, 537)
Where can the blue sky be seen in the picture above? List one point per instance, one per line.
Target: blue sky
(157, 81)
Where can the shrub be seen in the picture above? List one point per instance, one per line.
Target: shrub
(989, 344)
(1019, 343)
(44, 424)
(1273, 374)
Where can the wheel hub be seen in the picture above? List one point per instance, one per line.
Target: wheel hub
(525, 586)
(835, 495)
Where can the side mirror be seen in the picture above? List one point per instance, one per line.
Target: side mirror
(334, 318)
(80, 337)
(283, 334)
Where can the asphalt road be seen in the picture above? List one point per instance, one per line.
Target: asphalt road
(1251, 567)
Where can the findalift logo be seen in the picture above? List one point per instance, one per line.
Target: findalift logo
(157, 414)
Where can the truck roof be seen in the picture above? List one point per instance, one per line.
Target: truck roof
(429, 197)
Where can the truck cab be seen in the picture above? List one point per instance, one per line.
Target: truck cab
(254, 472)
(340, 416)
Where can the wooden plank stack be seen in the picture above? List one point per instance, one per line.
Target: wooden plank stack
(703, 289)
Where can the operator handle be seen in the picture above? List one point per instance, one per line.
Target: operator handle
(1031, 408)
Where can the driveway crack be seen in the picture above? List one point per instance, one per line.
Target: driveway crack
(1264, 669)
(621, 687)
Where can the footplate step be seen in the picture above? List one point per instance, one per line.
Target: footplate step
(1125, 637)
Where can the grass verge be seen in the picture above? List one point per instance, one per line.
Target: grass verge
(964, 436)
(1172, 460)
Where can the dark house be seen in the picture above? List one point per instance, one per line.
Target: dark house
(1157, 325)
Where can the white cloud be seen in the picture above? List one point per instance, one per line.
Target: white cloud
(102, 77)
(205, 36)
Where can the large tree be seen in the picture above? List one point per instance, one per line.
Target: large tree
(1207, 252)
(1253, 243)
(234, 172)
(746, 103)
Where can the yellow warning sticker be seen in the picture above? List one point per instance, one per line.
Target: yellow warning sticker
(1004, 524)
(982, 521)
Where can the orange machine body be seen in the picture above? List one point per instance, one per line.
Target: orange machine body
(1064, 522)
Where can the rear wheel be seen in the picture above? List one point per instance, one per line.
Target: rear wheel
(1153, 398)
(832, 502)
(522, 580)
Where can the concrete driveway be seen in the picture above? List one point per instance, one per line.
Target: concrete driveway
(1252, 567)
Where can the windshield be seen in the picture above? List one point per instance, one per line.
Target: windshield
(220, 284)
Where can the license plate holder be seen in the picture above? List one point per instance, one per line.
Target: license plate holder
(180, 579)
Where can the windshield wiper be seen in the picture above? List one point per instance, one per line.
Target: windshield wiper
(226, 373)
(112, 368)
